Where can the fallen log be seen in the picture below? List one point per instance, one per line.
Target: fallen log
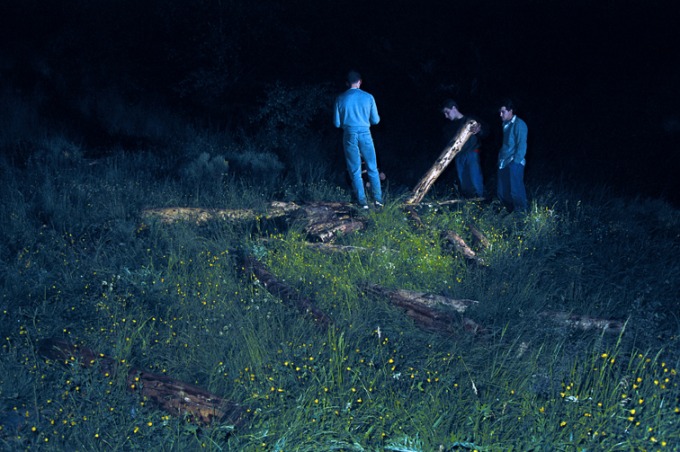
(462, 247)
(175, 397)
(479, 237)
(200, 215)
(284, 291)
(456, 201)
(442, 162)
(431, 311)
(414, 217)
(584, 322)
(324, 221)
(329, 248)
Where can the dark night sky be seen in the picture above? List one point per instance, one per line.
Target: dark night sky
(595, 80)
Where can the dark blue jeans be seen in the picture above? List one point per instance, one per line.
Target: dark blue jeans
(470, 174)
(359, 145)
(511, 189)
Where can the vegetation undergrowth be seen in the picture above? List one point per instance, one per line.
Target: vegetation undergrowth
(79, 261)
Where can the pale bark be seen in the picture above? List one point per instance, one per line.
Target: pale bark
(479, 237)
(584, 322)
(442, 162)
(324, 221)
(463, 248)
(200, 215)
(431, 311)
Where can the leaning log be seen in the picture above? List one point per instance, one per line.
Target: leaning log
(174, 396)
(284, 291)
(431, 311)
(442, 162)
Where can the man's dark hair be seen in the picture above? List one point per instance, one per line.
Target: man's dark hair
(449, 103)
(508, 104)
(353, 77)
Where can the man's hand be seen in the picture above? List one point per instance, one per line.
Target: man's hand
(475, 129)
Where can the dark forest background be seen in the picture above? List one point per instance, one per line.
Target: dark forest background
(595, 81)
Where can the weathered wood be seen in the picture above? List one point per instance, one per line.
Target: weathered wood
(284, 291)
(462, 247)
(201, 215)
(328, 232)
(431, 311)
(442, 162)
(327, 247)
(480, 238)
(174, 396)
(454, 201)
(584, 322)
(414, 217)
(324, 221)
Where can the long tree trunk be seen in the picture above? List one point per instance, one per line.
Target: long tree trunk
(442, 162)
(174, 396)
(431, 311)
(285, 292)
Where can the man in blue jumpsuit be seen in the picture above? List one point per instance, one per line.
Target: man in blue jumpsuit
(355, 111)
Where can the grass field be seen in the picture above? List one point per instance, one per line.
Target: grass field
(79, 262)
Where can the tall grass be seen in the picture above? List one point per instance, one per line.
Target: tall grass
(79, 262)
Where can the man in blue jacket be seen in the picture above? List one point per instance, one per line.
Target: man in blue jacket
(355, 112)
(511, 160)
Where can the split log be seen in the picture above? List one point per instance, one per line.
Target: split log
(284, 291)
(325, 220)
(583, 322)
(442, 162)
(175, 397)
(430, 311)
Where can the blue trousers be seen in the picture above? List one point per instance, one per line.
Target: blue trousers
(357, 146)
(511, 189)
(470, 174)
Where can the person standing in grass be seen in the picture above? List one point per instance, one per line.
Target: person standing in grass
(467, 161)
(355, 112)
(511, 160)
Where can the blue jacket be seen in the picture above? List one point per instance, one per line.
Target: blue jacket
(355, 111)
(514, 147)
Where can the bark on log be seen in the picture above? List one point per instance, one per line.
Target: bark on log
(463, 247)
(200, 215)
(583, 322)
(284, 291)
(430, 311)
(324, 221)
(174, 396)
(414, 217)
(479, 236)
(442, 162)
